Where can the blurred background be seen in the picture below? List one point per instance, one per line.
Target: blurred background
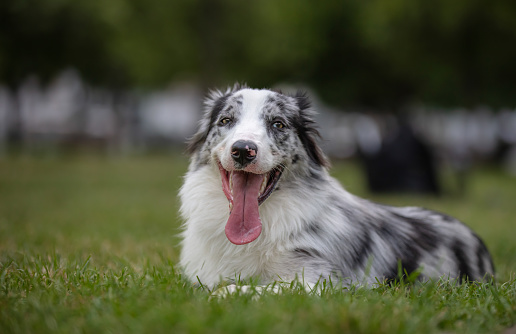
(406, 87)
(416, 98)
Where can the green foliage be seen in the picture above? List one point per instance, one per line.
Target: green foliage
(89, 244)
(43, 37)
(450, 51)
(354, 53)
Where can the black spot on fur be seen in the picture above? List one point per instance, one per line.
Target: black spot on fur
(420, 238)
(401, 269)
(425, 235)
(409, 265)
(483, 255)
(391, 274)
(361, 250)
(295, 159)
(280, 137)
(346, 211)
(391, 236)
(217, 108)
(480, 261)
(314, 228)
(406, 251)
(465, 272)
(307, 131)
(307, 252)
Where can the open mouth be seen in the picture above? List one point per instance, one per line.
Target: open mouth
(245, 192)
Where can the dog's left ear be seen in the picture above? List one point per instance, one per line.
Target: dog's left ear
(307, 130)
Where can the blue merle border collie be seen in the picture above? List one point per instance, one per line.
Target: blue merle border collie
(258, 202)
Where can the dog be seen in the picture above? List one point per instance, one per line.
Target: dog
(258, 203)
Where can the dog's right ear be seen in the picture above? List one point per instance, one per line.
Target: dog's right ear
(213, 105)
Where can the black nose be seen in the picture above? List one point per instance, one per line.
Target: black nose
(243, 152)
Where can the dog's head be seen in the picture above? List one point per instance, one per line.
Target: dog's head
(257, 139)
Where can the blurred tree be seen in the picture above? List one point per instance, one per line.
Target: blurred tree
(451, 52)
(43, 37)
(369, 53)
(155, 41)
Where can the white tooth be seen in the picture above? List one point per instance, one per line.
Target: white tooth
(264, 184)
(231, 181)
(230, 206)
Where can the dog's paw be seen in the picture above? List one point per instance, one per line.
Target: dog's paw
(255, 291)
(224, 291)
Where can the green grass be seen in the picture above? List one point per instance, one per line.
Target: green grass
(89, 245)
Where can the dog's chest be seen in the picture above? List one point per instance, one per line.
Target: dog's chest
(269, 264)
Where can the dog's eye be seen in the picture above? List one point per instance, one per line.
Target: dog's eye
(225, 121)
(278, 125)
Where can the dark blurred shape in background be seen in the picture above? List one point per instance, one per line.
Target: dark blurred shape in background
(403, 163)
(129, 75)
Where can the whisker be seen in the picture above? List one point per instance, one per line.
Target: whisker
(288, 169)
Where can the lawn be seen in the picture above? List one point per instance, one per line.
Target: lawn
(88, 244)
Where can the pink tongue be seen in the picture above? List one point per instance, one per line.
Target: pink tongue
(244, 223)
